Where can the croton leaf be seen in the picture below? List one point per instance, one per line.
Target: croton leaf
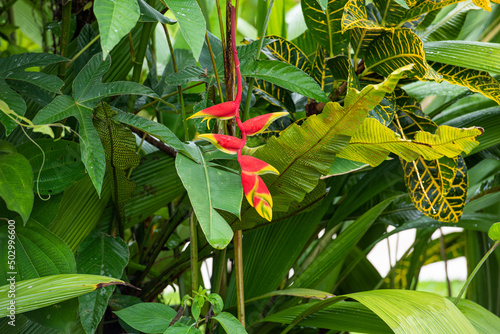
(88, 90)
(321, 72)
(397, 48)
(325, 25)
(426, 6)
(285, 51)
(391, 13)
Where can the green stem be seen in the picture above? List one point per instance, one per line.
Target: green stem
(474, 272)
(221, 27)
(179, 89)
(166, 96)
(246, 113)
(238, 262)
(65, 30)
(68, 64)
(215, 68)
(194, 253)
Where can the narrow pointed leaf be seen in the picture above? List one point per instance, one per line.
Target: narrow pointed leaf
(36, 293)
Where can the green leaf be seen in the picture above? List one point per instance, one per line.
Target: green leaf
(285, 51)
(36, 293)
(147, 317)
(152, 128)
(321, 72)
(216, 301)
(149, 14)
(398, 48)
(477, 81)
(494, 232)
(230, 324)
(88, 90)
(345, 316)
(12, 72)
(99, 254)
(343, 166)
(336, 251)
(179, 328)
(483, 320)
(323, 4)
(115, 18)
(284, 75)
(196, 306)
(16, 184)
(62, 166)
(474, 55)
(405, 310)
(325, 25)
(426, 6)
(210, 188)
(191, 23)
(298, 292)
(391, 12)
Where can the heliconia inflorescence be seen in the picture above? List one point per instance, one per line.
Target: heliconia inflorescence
(254, 187)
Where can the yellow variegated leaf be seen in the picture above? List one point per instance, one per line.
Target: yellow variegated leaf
(275, 95)
(372, 143)
(339, 67)
(384, 112)
(477, 81)
(321, 73)
(286, 51)
(390, 11)
(398, 48)
(484, 4)
(425, 6)
(326, 25)
(426, 188)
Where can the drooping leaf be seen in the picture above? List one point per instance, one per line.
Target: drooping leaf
(36, 293)
(191, 23)
(88, 90)
(147, 317)
(62, 166)
(325, 25)
(398, 48)
(115, 18)
(467, 54)
(99, 254)
(16, 184)
(210, 188)
(12, 71)
(149, 14)
(477, 81)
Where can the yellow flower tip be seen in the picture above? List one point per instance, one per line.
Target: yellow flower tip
(264, 210)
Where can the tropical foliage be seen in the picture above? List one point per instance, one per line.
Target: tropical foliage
(132, 130)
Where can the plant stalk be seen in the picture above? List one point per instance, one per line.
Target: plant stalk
(215, 68)
(474, 272)
(68, 64)
(194, 253)
(238, 262)
(65, 30)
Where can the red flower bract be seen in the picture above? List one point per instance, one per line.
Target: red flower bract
(258, 124)
(227, 144)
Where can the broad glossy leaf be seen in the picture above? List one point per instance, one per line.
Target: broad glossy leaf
(477, 81)
(191, 23)
(149, 14)
(322, 136)
(284, 75)
(99, 254)
(210, 188)
(494, 232)
(474, 55)
(230, 323)
(398, 48)
(274, 94)
(62, 165)
(391, 13)
(339, 67)
(88, 90)
(483, 320)
(36, 293)
(115, 18)
(449, 27)
(16, 184)
(12, 71)
(343, 166)
(147, 317)
(325, 25)
(285, 51)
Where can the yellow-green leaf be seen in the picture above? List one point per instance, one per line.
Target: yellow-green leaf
(477, 81)
(285, 51)
(425, 6)
(398, 48)
(391, 12)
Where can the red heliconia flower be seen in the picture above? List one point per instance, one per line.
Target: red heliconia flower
(257, 194)
(258, 124)
(226, 110)
(227, 144)
(251, 165)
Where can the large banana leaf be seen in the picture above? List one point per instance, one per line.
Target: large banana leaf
(36, 293)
